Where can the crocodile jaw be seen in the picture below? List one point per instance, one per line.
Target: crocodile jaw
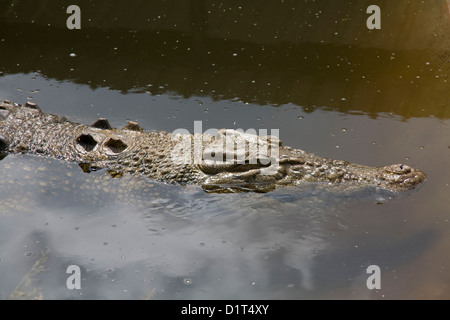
(396, 178)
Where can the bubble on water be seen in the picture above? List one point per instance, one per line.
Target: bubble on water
(380, 200)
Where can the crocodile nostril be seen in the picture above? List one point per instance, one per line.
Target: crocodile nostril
(404, 168)
(398, 169)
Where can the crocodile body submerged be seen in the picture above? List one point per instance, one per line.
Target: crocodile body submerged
(220, 168)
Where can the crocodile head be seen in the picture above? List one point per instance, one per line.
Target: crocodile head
(237, 162)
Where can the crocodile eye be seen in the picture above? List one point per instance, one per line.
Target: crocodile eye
(87, 142)
(209, 155)
(115, 145)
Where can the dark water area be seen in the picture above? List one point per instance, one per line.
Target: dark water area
(313, 70)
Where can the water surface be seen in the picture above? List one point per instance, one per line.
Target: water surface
(313, 71)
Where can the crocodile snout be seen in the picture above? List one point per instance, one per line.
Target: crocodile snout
(402, 176)
(398, 169)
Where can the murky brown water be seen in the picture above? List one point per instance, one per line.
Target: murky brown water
(312, 70)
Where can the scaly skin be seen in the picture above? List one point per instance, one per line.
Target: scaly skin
(210, 163)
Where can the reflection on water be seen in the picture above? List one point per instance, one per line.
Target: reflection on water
(333, 64)
(133, 237)
(310, 69)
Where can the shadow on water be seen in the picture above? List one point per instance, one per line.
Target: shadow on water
(311, 69)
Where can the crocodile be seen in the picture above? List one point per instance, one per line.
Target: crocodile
(212, 161)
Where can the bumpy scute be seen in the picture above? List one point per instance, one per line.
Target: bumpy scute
(115, 145)
(101, 123)
(87, 142)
